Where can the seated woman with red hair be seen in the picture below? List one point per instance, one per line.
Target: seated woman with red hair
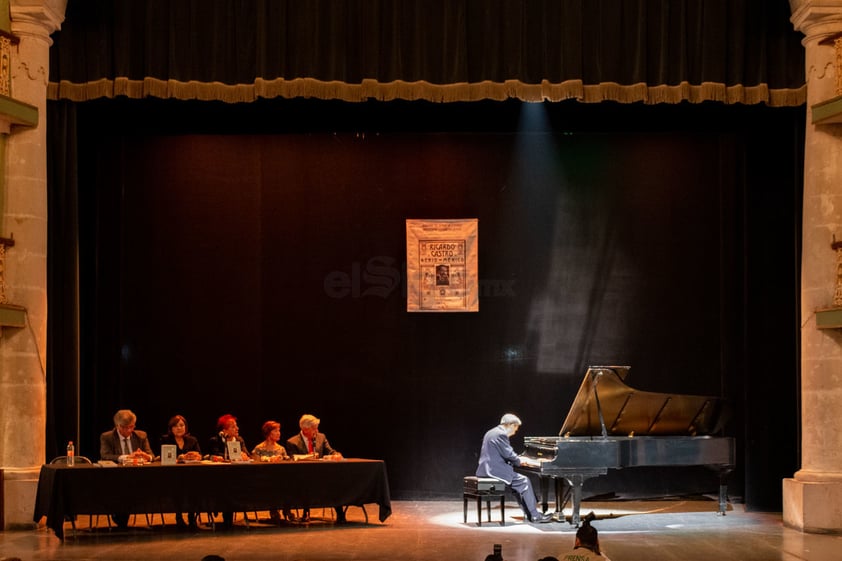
(217, 450)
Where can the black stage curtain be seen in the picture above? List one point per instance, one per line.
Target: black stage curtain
(665, 237)
(655, 51)
(62, 279)
(189, 239)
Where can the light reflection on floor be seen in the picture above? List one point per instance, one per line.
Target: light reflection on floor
(423, 530)
(515, 522)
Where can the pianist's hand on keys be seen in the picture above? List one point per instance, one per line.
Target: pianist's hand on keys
(529, 462)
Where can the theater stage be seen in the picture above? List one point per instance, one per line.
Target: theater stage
(433, 530)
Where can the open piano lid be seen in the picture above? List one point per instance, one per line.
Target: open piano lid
(605, 405)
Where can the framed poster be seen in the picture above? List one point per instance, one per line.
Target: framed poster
(441, 265)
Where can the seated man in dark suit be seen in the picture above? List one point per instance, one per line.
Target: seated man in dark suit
(124, 444)
(310, 442)
(497, 459)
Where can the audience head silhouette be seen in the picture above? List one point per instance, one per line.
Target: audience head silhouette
(587, 536)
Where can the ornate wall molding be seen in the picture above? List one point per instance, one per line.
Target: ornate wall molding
(39, 74)
(5, 66)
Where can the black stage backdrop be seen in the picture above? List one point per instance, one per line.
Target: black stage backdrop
(211, 238)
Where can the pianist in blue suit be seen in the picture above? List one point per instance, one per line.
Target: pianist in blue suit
(497, 459)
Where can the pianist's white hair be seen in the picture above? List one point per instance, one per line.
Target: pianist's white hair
(510, 419)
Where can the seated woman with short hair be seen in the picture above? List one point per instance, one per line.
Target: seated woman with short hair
(270, 451)
(186, 446)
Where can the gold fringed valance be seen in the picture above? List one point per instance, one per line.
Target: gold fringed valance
(422, 90)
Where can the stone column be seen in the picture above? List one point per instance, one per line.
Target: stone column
(23, 350)
(812, 499)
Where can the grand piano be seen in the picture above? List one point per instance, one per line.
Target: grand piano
(613, 426)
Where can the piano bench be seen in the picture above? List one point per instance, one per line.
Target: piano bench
(483, 489)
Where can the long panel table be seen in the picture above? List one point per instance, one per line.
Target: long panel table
(92, 489)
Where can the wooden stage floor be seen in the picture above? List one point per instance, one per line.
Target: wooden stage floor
(688, 530)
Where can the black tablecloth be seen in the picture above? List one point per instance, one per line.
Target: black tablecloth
(91, 489)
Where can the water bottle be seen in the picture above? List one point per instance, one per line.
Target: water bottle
(71, 454)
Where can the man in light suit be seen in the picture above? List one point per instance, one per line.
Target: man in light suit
(497, 459)
(123, 442)
(311, 441)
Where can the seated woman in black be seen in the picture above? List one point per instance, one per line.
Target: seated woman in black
(187, 449)
(217, 451)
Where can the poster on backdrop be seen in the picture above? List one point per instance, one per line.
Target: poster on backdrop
(441, 265)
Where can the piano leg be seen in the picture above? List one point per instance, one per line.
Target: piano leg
(544, 487)
(723, 490)
(559, 489)
(576, 482)
(562, 495)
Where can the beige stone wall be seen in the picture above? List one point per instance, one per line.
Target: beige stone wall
(813, 497)
(23, 350)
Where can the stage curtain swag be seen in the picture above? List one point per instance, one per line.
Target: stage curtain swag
(650, 51)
